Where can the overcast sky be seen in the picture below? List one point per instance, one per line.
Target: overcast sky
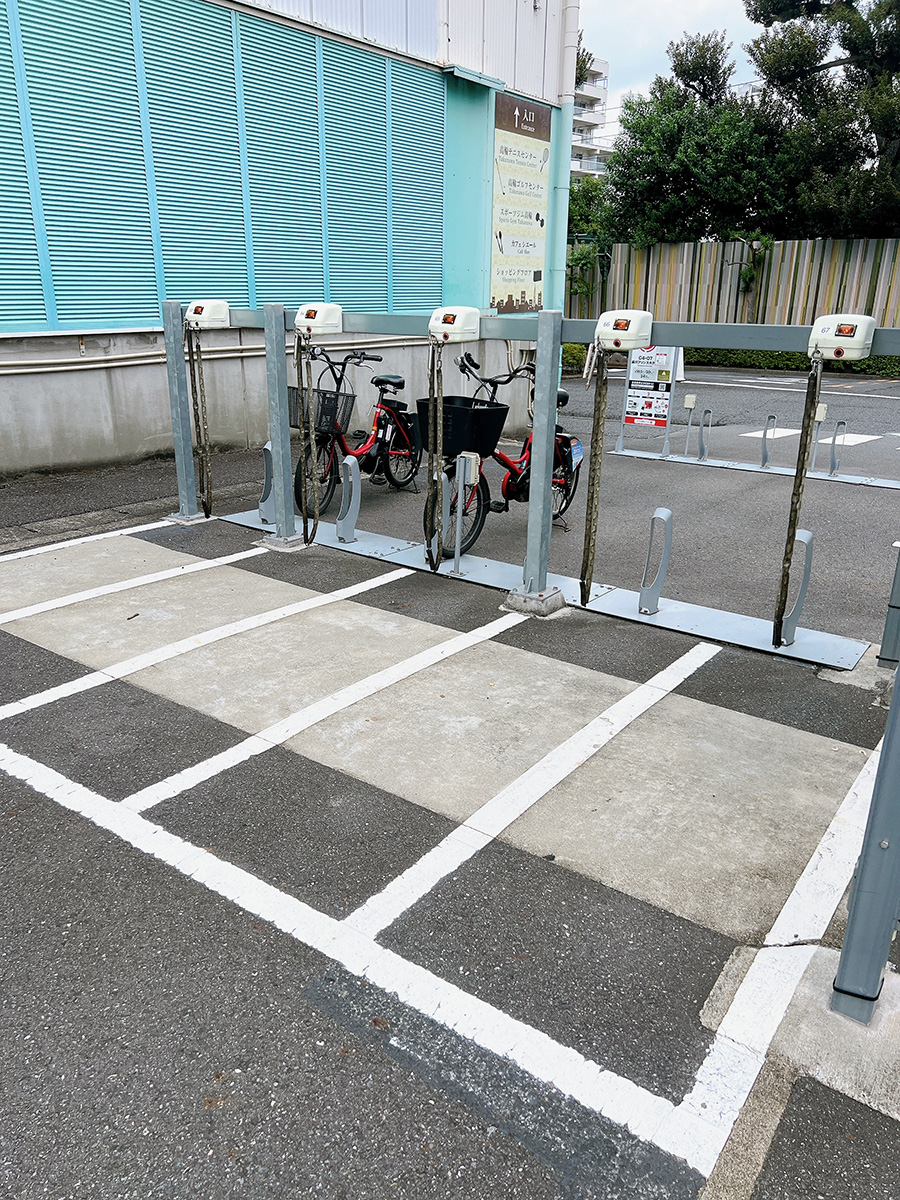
(636, 48)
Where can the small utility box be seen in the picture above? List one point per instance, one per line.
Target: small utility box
(843, 335)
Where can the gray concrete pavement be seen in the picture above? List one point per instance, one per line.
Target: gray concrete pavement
(568, 994)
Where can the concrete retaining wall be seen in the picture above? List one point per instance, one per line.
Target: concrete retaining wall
(70, 400)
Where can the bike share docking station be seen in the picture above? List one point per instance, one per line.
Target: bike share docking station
(530, 587)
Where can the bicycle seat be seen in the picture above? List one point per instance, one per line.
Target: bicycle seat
(393, 405)
(562, 398)
(391, 381)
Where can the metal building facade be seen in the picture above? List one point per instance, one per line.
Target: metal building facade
(156, 149)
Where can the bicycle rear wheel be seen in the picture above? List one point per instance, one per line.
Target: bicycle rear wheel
(401, 462)
(564, 486)
(476, 503)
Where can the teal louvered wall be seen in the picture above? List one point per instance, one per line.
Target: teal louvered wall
(21, 290)
(155, 149)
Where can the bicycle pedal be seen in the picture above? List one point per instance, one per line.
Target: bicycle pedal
(499, 506)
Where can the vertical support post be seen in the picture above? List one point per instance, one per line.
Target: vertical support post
(889, 655)
(876, 889)
(279, 425)
(179, 402)
(540, 495)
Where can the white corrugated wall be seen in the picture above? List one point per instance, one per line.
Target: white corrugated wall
(517, 41)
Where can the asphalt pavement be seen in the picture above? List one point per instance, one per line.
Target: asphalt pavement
(324, 877)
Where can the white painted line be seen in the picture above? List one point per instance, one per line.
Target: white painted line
(851, 439)
(776, 434)
(124, 585)
(289, 726)
(380, 910)
(129, 666)
(742, 1041)
(599, 1090)
(794, 391)
(79, 541)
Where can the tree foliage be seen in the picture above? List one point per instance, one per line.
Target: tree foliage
(812, 151)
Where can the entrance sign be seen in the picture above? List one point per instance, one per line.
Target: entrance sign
(521, 191)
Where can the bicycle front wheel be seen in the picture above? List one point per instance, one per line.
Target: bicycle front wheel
(476, 503)
(321, 473)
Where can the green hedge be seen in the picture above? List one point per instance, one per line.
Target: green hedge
(783, 360)
(573, 357)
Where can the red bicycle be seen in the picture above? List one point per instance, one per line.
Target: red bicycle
(567, 458)
(390, 451)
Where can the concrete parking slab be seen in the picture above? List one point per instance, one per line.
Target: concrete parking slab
(76, 568)
(259, 677)
(860, 1061)
(110, 628)
(708, 813)
(450, 738)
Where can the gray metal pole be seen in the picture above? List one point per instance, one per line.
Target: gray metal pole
(279, 423)
(180, 404)
(876, 889)
(540, 495)
(889, 655)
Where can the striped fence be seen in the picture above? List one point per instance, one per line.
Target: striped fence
(797, 281)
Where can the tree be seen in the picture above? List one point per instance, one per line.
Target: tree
(691, 161)
(814, 151)
(587, 209)
(831, 70)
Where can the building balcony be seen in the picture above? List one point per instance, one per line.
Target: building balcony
(593, 89)
(588, 139)
(588, 166)
(589, 116)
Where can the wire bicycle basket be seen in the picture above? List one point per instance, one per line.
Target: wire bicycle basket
(333, 409)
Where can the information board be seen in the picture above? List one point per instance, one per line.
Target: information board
(521, 191)
(650, 378)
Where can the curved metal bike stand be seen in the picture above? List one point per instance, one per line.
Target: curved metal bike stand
(267, 499)
(702, 446)
(648, 601)
(351, 495)
(835, 461)
(462, 480)
(765, 453)
(791, 619)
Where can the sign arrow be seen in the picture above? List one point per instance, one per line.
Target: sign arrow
(516, 114)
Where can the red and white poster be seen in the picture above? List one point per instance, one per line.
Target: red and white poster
(650, 380)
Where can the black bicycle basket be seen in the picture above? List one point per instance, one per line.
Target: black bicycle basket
(333, 409)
